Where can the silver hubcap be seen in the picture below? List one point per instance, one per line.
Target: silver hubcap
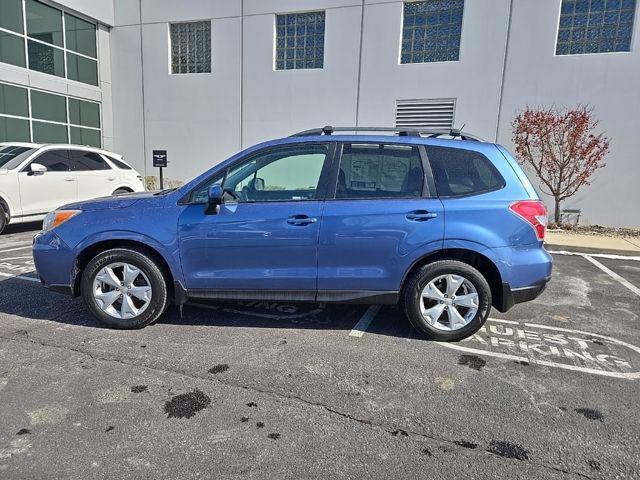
(122, 290)
(449, 302)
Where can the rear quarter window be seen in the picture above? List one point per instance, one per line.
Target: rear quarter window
(458, 172)
(118, 163)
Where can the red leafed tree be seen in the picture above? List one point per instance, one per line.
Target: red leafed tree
(560, 146)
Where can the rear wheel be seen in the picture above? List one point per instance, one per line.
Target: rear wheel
(447, 300)
(124, 288)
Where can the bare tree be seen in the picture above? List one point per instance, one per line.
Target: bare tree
(560, 146)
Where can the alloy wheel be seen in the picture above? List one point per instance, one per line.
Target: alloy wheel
(122, 290)
(449, 302)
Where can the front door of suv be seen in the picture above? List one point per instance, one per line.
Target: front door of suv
(383, 217)
(264, 236)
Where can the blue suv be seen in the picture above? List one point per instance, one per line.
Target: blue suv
(445, 227)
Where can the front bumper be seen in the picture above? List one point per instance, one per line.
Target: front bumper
(54, 261)
(511, 296)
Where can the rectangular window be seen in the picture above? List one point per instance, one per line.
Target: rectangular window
(47, 42)
(190, 47)
(11, 15)
(82, 69)
(380, 171)
(44, 23)
(46, 59)
(431, 31)
(595, 26)
(12, 49)
(300, 40)
(459, 172)
(80, 36)
(434, 113)
(51, 120)
(13, 101)
(44, 132)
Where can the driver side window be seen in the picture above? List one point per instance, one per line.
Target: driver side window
(274, 175)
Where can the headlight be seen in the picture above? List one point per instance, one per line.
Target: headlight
(57, 217)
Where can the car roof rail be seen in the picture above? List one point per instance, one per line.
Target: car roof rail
(400, 131)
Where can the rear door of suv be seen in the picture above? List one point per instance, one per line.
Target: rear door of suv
(95, 177)
(381, 216)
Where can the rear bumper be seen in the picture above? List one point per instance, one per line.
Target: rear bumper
(511, 296)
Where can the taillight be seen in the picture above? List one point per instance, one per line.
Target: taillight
(534, 212)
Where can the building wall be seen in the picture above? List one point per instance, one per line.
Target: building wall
(606, 81)
(506, 62)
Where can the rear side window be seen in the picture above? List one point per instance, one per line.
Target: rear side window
(379, 171)
(83, 161)
(119, 163)
(458, 172)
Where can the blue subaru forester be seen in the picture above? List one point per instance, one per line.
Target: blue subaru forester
(446, 227)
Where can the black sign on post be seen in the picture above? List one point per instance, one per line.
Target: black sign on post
(160, 161)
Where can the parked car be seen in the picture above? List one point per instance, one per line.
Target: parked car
(37, 178)
(445, 227)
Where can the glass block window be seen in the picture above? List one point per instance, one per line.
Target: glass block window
(52, 117)
(595, 26)
(431, 31)
(300, 40)
(191, 47)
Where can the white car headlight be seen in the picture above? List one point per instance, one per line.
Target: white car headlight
(58, 217)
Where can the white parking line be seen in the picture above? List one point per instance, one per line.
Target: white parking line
(21, 277)
(598, 255)
(361, 327)
(14, 249)
(613, 275)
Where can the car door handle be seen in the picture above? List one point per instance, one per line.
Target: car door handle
(301, 220)
(421, 215)
(111, 179)
(69, 179)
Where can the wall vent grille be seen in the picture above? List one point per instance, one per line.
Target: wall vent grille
(434, 113)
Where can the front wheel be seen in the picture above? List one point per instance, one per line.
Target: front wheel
(4, 217)
(447, 300)
(124, 288)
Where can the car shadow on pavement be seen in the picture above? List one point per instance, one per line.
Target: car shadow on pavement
(32, 301)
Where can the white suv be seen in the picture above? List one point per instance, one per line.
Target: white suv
(36, 179)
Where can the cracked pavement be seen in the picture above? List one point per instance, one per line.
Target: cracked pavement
(250, 390)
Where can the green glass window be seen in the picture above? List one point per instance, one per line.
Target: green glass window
(82, 69)
(11, 15)
(12, 49)
(44, 132)
(46, 59)
(45, 106)
(85, 136)
(13, 130)
(80, 35)
(84, 113)
(44, 23)
(13, 100)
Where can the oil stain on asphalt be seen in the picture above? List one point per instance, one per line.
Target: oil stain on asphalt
(472, 361)
(466, 444)
(23, 431)
(138, 388)
(508, 450)
(590, 413)
(274, 436)
(223, 367)
(186, 405)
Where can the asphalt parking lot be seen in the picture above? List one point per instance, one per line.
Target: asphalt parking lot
(271, 390)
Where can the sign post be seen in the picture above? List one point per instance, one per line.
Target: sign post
(160, 161)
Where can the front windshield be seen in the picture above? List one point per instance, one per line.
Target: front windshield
(11, 156)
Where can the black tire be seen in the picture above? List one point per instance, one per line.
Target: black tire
(421, 277)
(4, 217)
(120, 191)
(159, 296)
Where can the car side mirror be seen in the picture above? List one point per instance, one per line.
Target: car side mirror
(215, 196)
(37, 169)
(258, 184)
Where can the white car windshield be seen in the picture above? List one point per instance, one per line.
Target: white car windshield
(12, 156)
